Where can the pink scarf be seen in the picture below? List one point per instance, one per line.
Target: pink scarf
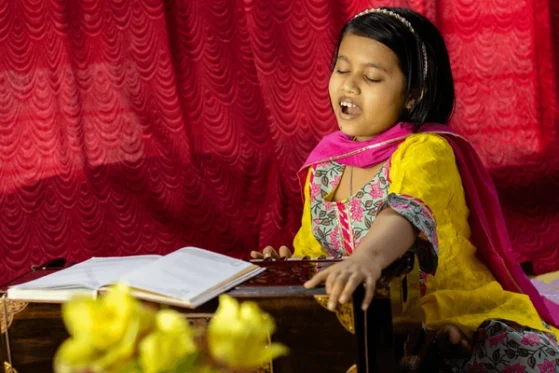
(489, 233)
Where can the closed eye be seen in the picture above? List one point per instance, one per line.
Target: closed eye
(342, 71)
(372, 80)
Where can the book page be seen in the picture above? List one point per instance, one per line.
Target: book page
(90, 274)
(187, 273)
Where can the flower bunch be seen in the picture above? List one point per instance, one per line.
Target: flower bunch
(116, 333)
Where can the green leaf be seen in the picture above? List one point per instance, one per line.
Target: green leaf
(496, 356)
(187, 364)
(131, 367)
(532, 362)
(510, 354)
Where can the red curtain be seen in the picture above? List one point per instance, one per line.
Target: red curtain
(141, 126)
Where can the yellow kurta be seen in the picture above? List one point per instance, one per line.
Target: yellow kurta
(463, 292)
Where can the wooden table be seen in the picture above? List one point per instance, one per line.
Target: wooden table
(347, 340)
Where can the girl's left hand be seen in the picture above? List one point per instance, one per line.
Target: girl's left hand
(341, 279)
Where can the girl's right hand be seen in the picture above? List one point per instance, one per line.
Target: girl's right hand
(269, 252)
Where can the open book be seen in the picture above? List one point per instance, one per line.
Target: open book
(187, 277)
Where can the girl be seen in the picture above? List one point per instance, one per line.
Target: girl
(395, 178)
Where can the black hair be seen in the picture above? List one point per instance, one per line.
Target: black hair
(433, 93)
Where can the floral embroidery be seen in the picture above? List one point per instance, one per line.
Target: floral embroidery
(376, 191)
(516, 368)
(497, 339)
(336, 180)
(418, 213)
(503, 346)
(548, 366)
(340, 226)
(335, 237)
(315, 189)
(353, 217)
(530, 340)
(356, 209)
(421, 217)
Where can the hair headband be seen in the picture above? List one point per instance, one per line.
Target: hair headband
(406, 23)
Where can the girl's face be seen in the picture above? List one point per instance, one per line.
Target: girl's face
(367, 88)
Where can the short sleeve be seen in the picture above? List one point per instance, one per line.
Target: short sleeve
(305, 243)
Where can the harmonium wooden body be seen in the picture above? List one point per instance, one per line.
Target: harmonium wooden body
(347, 340)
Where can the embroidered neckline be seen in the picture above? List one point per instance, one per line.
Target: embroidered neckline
(334, 184)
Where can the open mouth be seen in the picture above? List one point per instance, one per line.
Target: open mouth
(349, 109)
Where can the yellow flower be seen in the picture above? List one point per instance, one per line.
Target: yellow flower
(171, 341)
(104, 332)
(238, 336)
(74, 353)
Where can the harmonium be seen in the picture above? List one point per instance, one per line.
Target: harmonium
(347, 340)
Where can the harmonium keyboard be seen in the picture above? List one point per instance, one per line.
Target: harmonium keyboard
(347, 340)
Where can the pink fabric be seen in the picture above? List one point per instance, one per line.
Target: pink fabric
(346, 228)
(489, 233)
